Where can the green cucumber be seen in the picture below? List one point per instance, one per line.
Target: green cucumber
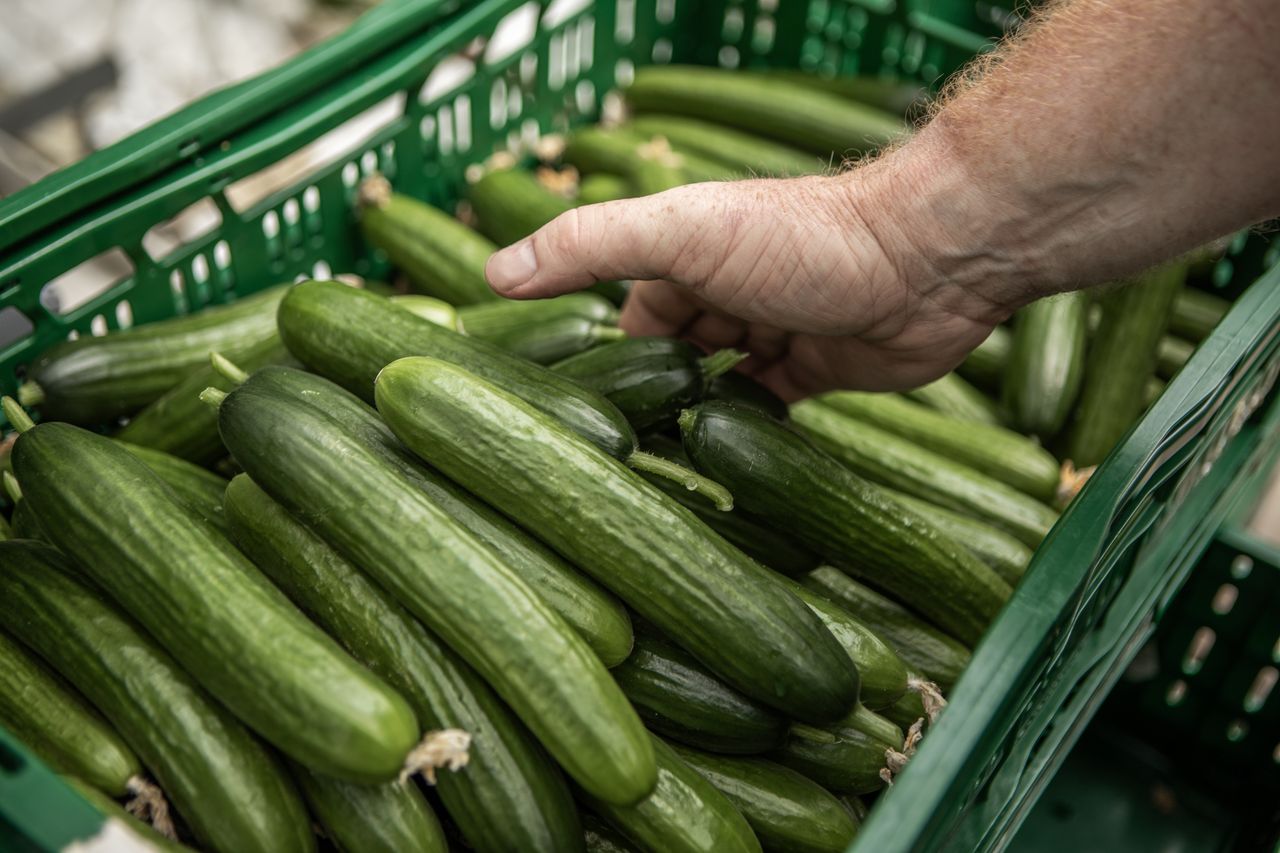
(599, 837)
(93, 380)
(648, 167)
(889, 460)
(679, 699)
(953, 396)
(898, 97)
(684, 814)
(600, 187)
(733, 615)
(544, 330)
(787, 811)
(779, 109)
(208, 606)
(196, 488)
(845, 758)
(1046, 363)
(778, 475)
(995, 451)
(985, 366)
(741, 390)
(1152, 390)
(6, 531)
(920, 645)
(510, 796)
(1196, 313)
(428, 308)
(457, 585)
(392, 817)
(744, 152)
(906, 711)
(229, 790)
(1122, 357)
(1171, 354)
(111, 810)
(440, 256)
(1006, 556)
(56, 724)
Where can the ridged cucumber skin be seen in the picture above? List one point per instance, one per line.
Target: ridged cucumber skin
(544, 330)
(510, 796)
(745, 152)
(953, 396)
(58, 726)
(985, 366)
(93, 380)
(440, 256)
(179, 423)
(845, 758)
(650, 380)
(593, 612)
(684, 814)
(777, 475)
(348, 335)
(787, 811)
(1171, 354)
(920, 645)
(741, 390)
(903, 465)
(392, 817)
(229, 790)
(778, 109)
(109, 808)
(729, 612)
(1196, 313)
(599, 837)
(209, 607)
(457, 585)
(601, 187)
(1046, 365)
(679, 699)
(1006, 556)
(196, 488)
(1122, 358)
(999, 453)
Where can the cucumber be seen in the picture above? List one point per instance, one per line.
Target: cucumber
(93, 380)
(743, 152)
(778, 475)
(544, 330)
(1196, 313)
(787, 811)
(920, 645)
(111, 810)
(392, 817)
(741, 390)
(684, 814)
(678, 698)
(1046, 363)
(1152, 390)
(1171, 354)
(197, 489)
(897, 97)
(1122, 357)
(779, 109)
(906, 711)
(439, 255)
(510, 796)
(209, 607)
(845, 758)
(600, 187)
(57, 725)
(995, 451)
(231, 793)
(884, 458)
(985, 366)
(1006, 556)
(6, 532)
(953, 396)
(599, 837)
(458, 586)
(733, 615)
(428, 308)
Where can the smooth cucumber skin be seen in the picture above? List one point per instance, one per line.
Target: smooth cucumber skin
(905, 711)
(348, 336)
(592, 611)
(392, 817)
(229, 790)
(684, 814)
(889, 460)
(776, 474)
(745, 152)
(678, 698)
(851, 762)
(602, 838)
(1046, 365)
(1172, 353)
(512, 203)
(553, 340)
(58, 726)
(1196, 313)
(919, 644)
(741, 390)
(210, 607)
(788, 812)
(458, 586)
(496, 318)
(729, 612)
(196, 488)
(985, 366)
(1002, 551)
(601, 187)
(650, 380)
(953, 396)
(510, 796)
(620, 151)
(93, 380)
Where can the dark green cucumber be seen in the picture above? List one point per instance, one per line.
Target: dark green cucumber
(898, 97)
(209, 607)
(732, 614)
(787, 811)
(6, 531)
(778, 475)
(745, 152)
(440, 256)
(845, 758)
(889, 460)
(1046, 363)
(392, 817)
(985, 366)
(1196, 313)
(1171, 354)
(110, 809)
(55, 723)
(196, 488)
(648, 162)
(919, 644)
(678, 698)
(953, 396)
(999, 453)
(457, 585)
(906, 711)
(1152, 390)
(599, 837)
(1006, 556)
(229, 790)
(510, 796)
(544, 330)
(601, 187)
(1122, 357)
(596, 615)
(741, 390)
(779, 109)
(684, 814)
(93, 380)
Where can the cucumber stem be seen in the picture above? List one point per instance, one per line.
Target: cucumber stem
(11, 487)
(720, 362)
(439, 748)
(30, 393)
(691, 480)
(227, 369)
(812, 733)
(374, 192)
(686, 419)
(17, 416)
(147, 804)
(604, 334)
(213, 396)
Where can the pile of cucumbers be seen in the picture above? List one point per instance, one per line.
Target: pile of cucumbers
(417, 571)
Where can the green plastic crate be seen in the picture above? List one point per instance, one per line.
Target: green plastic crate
(1099, 583)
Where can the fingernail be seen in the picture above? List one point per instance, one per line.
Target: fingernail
(512, 266)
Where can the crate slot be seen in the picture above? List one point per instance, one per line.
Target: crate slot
(98, 325)
(197, 220)
(662, 51)
(320, 270)
(222, 254)
(14, 326)
(1241, 566)
(624, 27)
(513, 34)
(1198, 649)
(498, 104)
(560, 11)
(727, 57)
(86, 281)
(462, 122)
(1237, 730)
(1225, 599)
(124, 315)
(624, 71)
(448, 76)
(1260, 690)
(1176, 693)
